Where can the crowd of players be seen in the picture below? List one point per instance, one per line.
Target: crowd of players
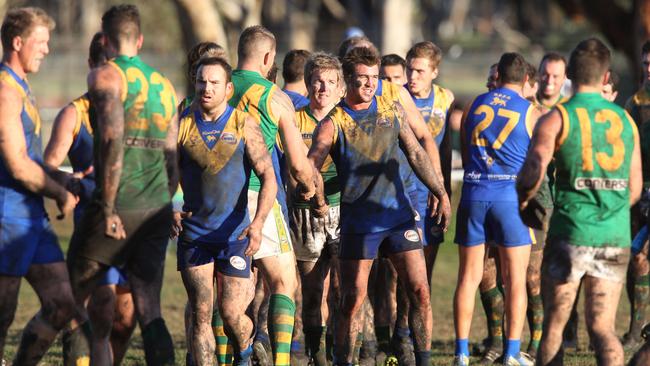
(312, 215)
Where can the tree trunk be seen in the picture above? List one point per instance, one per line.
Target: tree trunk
(397, 32)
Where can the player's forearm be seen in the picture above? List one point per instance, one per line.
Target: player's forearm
(319, 196)
(530, 177)
(36, 179)
(301, 170)
(430, 147)
(423, 169)
(113, 153)
(266, 198)
(173, 175)
(445, 160)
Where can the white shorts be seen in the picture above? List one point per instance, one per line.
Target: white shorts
(311, 234)
(275, 233)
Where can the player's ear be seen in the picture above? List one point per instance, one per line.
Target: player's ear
(229, 88)
(435, 72)
(606, 77)
(17, 43)
(140, 41)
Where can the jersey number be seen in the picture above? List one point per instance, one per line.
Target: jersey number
(136, 119)
(613, 137)
(512, 116)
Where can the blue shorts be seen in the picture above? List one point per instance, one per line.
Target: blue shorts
(26, 241)
(114, 276)
(432, 232)
(401, 238)
(479, 222)
(229, 258)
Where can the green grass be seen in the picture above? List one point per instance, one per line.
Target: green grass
(174, 297)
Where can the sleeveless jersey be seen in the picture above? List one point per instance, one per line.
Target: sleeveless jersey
(252, 94)
(149, 105)
(81, 152)
(365, 150)
(593, 168)
(214, 175)
(298, 100)
(434, 110)
(638, 106)
(16, 200)
(497, 133)
(307, 124)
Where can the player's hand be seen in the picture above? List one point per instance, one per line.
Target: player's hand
(442, 213)
(254, 234)
(432, 203)
(114, 228)
(306, 192)
(66, 203)
(177, 225)
(319, 210)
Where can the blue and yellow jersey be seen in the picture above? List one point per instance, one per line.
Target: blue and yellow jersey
(388, 90)
(307, 124)
(638, 106)
(253, 94)
(366, 153)
(434, 110)
(81, 151)
(214, 175)
(497, 133)
(298, 100)
(16, 200)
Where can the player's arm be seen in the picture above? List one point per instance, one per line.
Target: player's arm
(294, 148)
(422, 167)
(104, 90)
(321, 145)
(445, 146)
(13, 149)
(636, 174)
(420, 130)
(262, 165)
(62, 137)
(171, 155)
(463, 143)
(540, 153)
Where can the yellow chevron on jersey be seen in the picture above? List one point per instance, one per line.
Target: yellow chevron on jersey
(441, 103)
(212, 160)
(82, 107)
(28, 101)
(370, 144)
(307, 124)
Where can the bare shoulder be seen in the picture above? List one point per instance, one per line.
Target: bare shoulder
(280, 99)
(105, 77)
(9, 94)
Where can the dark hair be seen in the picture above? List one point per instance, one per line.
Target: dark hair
(512, 68)
(121, 23)
(589, 61)
(351, 43)
(293, 65)
(250, 39)
(272, 76)
(20, 22)
(210, 61)
(552, 56)
(645, 49)
(531, 71)
(426, 50)
(356, 56)
(200, 50)
(393, 60)
(96, 52)
(613, 80)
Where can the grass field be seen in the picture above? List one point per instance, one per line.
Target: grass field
(173, 301)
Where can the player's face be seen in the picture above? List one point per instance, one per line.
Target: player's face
(420, 75)
(646, 68)
(364, 82)
(34, 49)
(608, 93)
(491, 83)
(552, 77)
(211, 86)
(324, 89)
(394, 74)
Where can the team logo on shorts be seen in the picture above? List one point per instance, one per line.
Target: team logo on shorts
(412, 235)
(228, 138)
(238, 262)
